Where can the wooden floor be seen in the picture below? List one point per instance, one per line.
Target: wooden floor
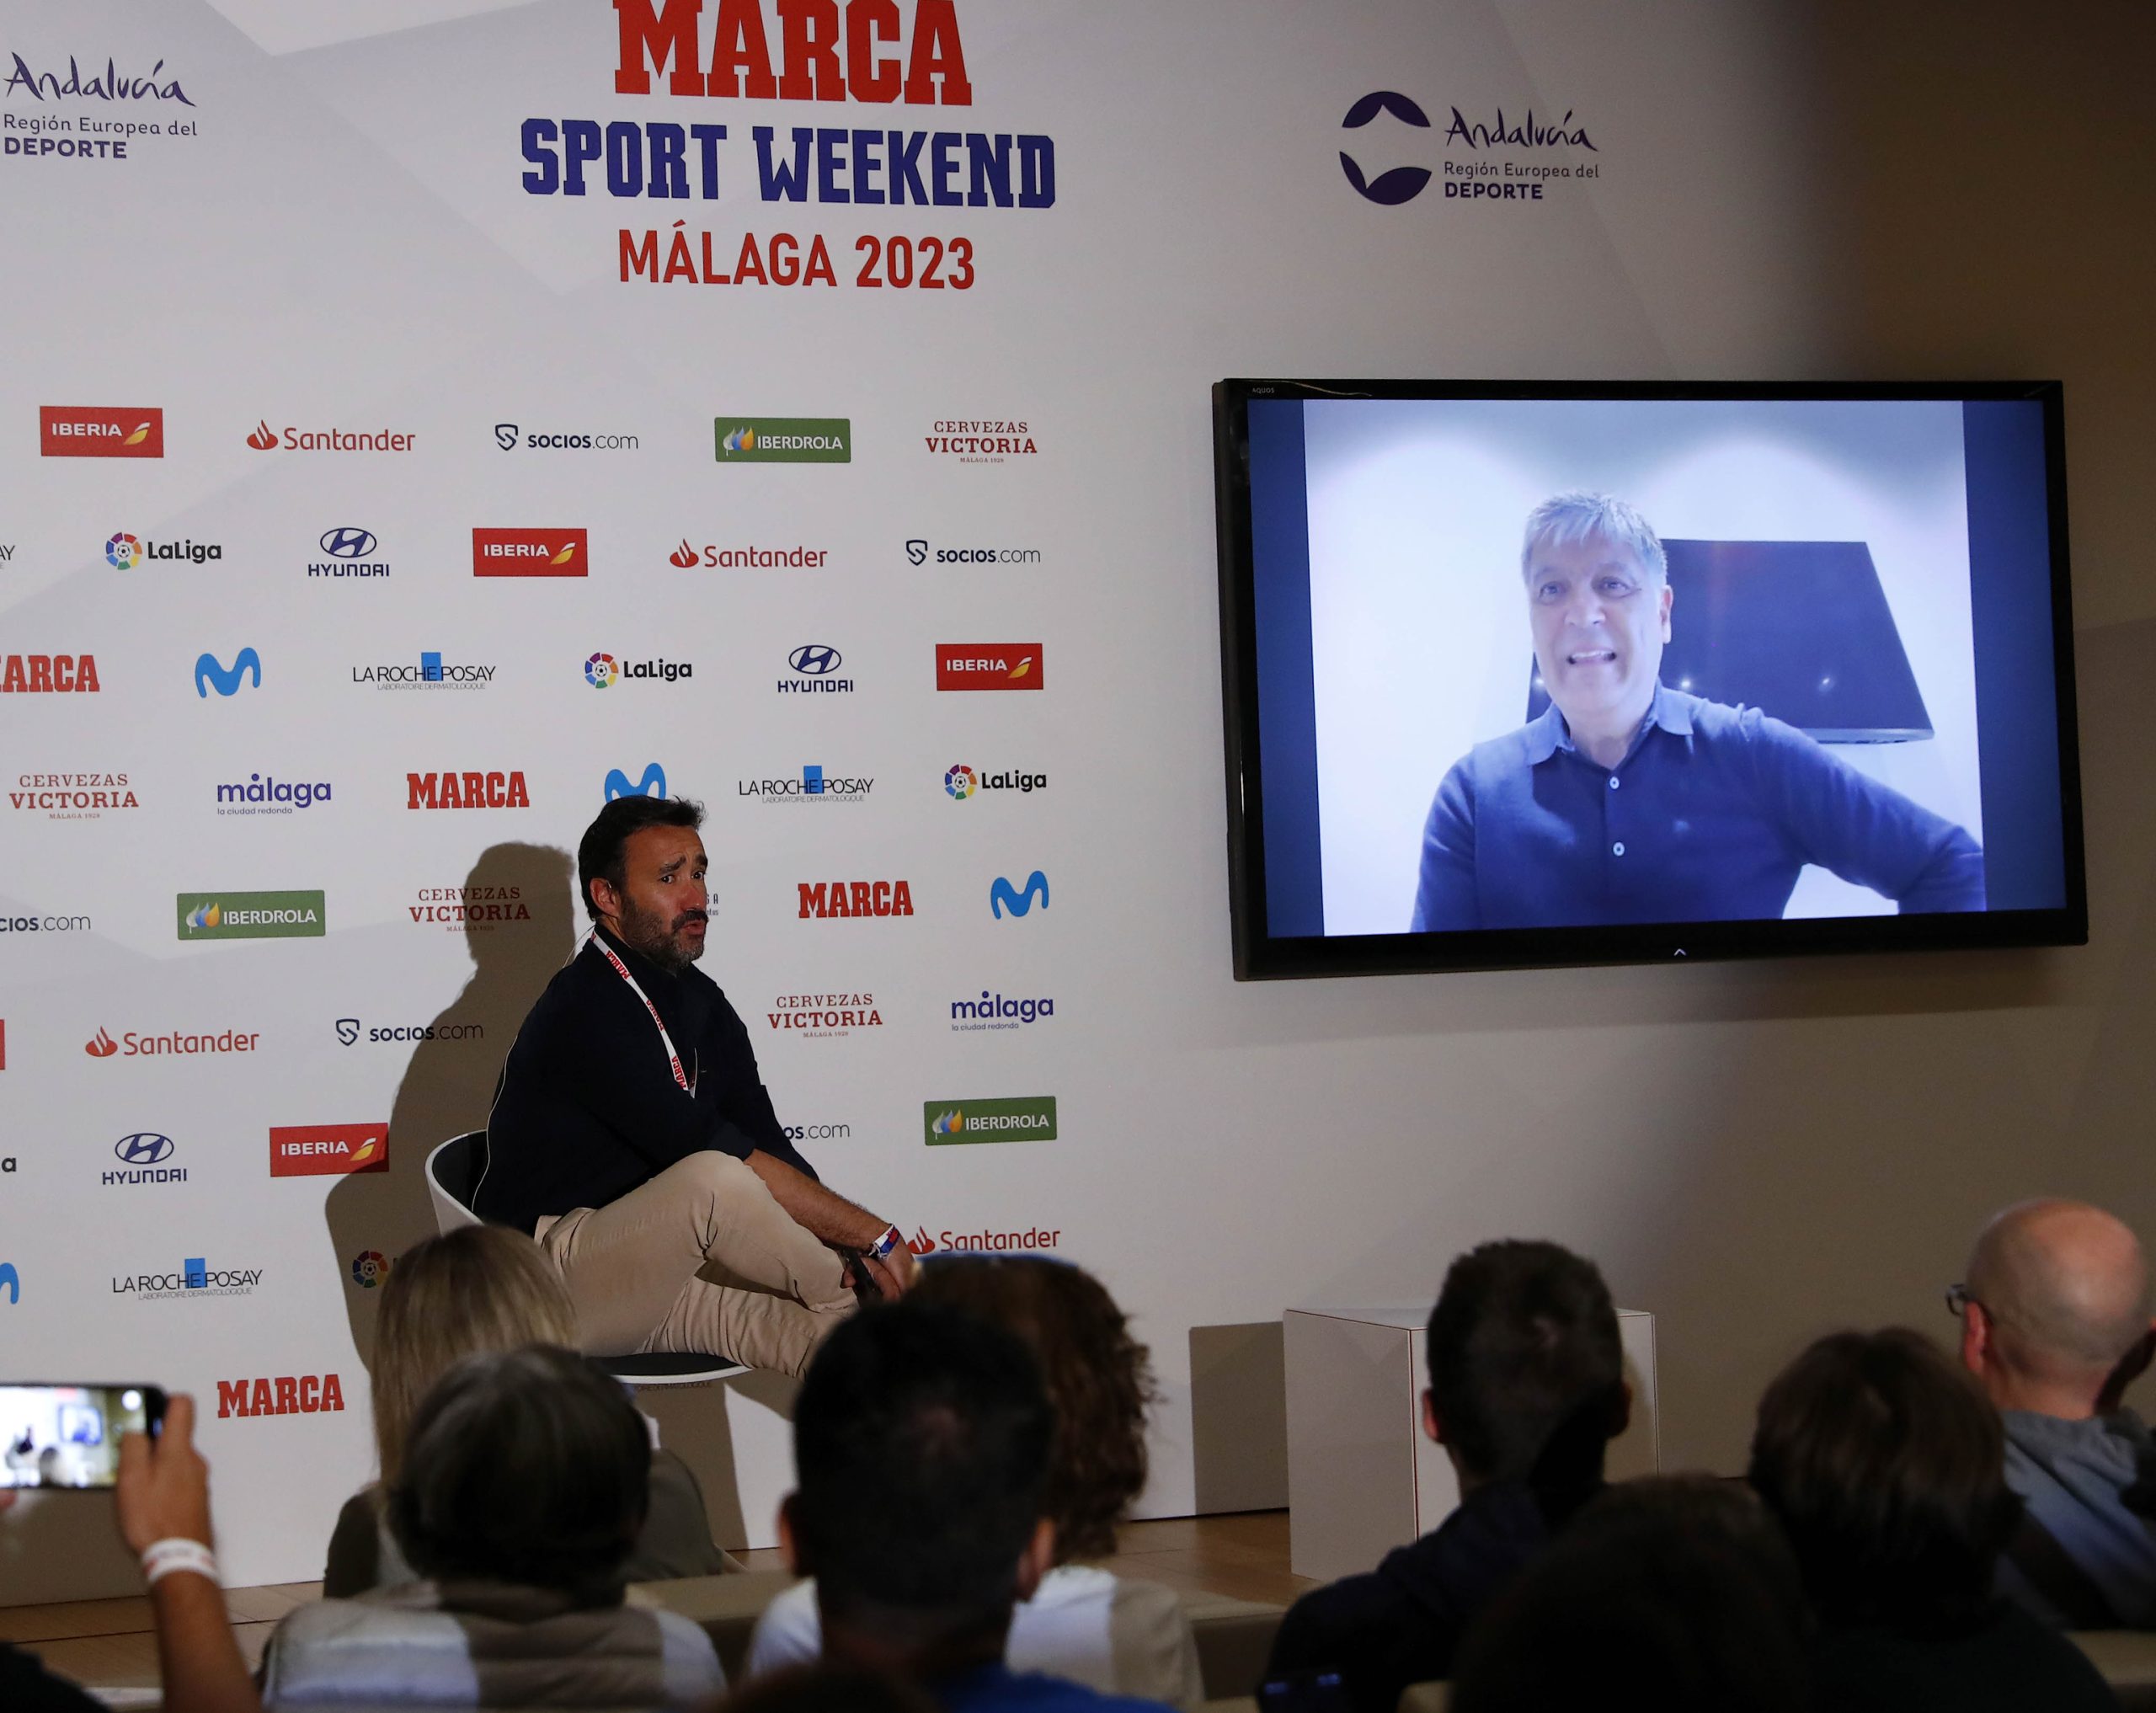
(106, 1645)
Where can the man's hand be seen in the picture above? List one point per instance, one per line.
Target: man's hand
(894, 1275)
(164, 1489)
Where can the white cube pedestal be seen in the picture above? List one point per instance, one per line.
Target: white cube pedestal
(1362, 1477)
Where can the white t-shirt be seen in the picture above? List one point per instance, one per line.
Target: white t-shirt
(1114, 1633)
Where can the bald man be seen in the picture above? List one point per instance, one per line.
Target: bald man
(2055, 1325)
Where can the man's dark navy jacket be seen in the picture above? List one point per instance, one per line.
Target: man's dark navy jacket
(588, 1108)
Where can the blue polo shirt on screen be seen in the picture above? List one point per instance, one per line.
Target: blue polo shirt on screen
(1709, 818)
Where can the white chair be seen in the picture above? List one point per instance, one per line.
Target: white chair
(453, 1172)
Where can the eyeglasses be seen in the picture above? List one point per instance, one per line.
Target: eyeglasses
(1958, 1300)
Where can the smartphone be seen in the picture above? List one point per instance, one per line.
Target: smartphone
(68, 1436)
(1304, 1692)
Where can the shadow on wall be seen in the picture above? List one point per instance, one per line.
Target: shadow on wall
(448, 1084)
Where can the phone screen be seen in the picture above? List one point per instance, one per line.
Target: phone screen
(68, 1436)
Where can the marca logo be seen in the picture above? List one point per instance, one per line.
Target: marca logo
(251, 915)
(71, 797)
(1029, 1119)
(856, 898)
(961, 782)
(530, 554)
(989, 666)
(824, 1014)
(196, 1278)
(36, 674)
(989, 440)
(991, 1010)
(265, 439)
(816, 666)
(131, 1045)
(1034, 1237)
(652, 784)
(604, 671)
(784, 440)
(101, 431)
(473, 790)
(1002, 895)
(686, 558)
(124, 551)
(264, 794)
(470, 909)
(815, 785)
(809, 69)
(349, 552)
(284, 1394)
(328, 1150)
(209, 674)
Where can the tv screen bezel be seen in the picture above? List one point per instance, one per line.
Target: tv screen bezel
(1260, 955)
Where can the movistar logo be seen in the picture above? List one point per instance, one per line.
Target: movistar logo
(652, 784)
(1002, 895)
(209, 672)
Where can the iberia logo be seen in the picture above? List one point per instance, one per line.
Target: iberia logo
(530, 553)
(328, 1150)
(989, 666)
(95, 431)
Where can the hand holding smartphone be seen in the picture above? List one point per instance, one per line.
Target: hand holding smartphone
(67, 1436)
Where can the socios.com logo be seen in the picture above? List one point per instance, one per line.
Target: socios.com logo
(599, 671)
(1400, 184)
(123, 553)
(652, 784)
(210, 672)
(347, 543)
(1002, 895)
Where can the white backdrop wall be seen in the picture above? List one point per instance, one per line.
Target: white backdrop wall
(343, 241)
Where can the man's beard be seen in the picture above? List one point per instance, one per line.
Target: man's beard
(653, 932)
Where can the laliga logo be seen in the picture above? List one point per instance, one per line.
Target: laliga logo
(600, 670)
(652, 784)
(370, 1266)
(1402, 184)
(208, 672)
(1001, 895)
(960, 782)
(123, 553)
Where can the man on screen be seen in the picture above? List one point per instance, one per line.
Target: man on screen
(1627, 801)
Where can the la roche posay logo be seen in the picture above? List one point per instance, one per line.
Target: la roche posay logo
(194, 1278)
(1503, 159)
(251, 915)
(431, 670)
(1029, 1119)
(813, 787)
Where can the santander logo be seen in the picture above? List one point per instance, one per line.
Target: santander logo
(101, 1045)
(683, 557)
(920, 1242)
(263, 439)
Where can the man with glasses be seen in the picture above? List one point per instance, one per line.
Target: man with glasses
(2055, 1325)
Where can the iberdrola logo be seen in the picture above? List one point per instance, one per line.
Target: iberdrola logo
(946, 1123)
(742, 440)
(208, 916)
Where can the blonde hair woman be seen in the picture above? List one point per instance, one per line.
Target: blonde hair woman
(484, 1288)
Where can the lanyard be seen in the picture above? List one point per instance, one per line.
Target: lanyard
(666, 1040)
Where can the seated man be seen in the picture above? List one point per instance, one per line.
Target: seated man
(632, 1135)
(1627, 801)
(920, 1443)
(2055, 1325)
(1527, 1386)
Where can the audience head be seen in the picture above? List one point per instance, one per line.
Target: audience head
(475, 1289)
(921, 1440)
(1527, 1378)
(1099, 1379)
(1675, 1593)
(526, 1466)
(1885, 1465)
(2057, 1301)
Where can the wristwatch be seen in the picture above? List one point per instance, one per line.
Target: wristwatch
(881, 1249)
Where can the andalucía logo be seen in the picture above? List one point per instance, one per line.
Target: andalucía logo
(987, 440)
(1029, 1119)
(251, 915)
(432, 673)
(37, 674)
(124, 551)
(1400, 184)
(465, 790)
(196, 1278)
(72, 797)
(115, 85)
(815, 785)
(686, 558)
(991, 1010)
(470, 909)
(328, 1150)
(265, 439)
(268, 795)
(142, 1158)
(530, 554)
(286, 1394)
(350, 551)
(825, 1014)
(653, 783)
(961, 781)
(95, 431)
(604, 671)
(1034, 1237)
(816, 665)
(784, 440)
(856, 898)
(989, 666)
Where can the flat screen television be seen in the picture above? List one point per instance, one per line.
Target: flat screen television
(1551, 672)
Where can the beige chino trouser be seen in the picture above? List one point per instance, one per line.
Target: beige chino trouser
(701, 1258)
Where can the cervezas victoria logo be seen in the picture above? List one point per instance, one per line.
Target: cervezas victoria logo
(463, 909)
(527, 552)
(101, 431)
(992, 439)
(328, 1150)
(824, 1015)
(71, 797)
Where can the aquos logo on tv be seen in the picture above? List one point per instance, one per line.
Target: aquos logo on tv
(328, 1150)
(530, 554)
(1030, 1118)
(989, 666)
(196, 1278)
(101, 431)
(784, 440)
(251, 915)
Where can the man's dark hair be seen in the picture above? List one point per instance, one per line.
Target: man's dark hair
(921, 1444)
(1523, 1342)
(524, 1466)
(1886, 1465)
(598, 852)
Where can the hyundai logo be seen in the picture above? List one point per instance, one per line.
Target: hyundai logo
(143, 1147)
(815, 658)
(347, 543)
